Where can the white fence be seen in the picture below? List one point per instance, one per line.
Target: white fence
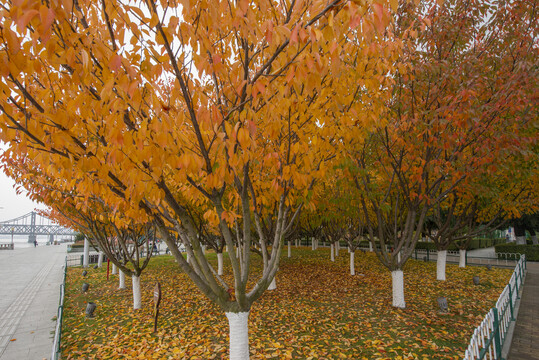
(489, 337)
(59, 319)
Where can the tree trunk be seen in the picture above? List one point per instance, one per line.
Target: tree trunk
(100, 259)
(220, 264)
(440, 265)
(289, 249)
(352, 265)
(113, 272)
(462, 258)
(312, 243)
(121, 280)
(332, 246)
(397, 277)
(273, 284)
(521, 240)
(370, 247)
(239, 335)
(137, 302)
(337, 248)
(86, 255)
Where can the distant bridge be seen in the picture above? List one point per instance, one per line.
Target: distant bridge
(33, 224)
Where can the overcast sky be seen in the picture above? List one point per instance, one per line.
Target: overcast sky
(11, 204)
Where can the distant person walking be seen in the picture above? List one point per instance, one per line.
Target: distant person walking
(35, 243)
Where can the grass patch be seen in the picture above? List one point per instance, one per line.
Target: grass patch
(318, 311)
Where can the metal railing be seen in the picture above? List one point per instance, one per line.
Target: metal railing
(56, 352)
(489, 337)
(453, 256)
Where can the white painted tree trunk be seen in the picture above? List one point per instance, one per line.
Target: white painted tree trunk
(273, 284)
(332, 247)
(137, 302)
(534, 240)
(100, 259)
(337, 248)
(462, 258)
(289, 249)
(349, 251)
(239, 335)
(296, 242)
(316, 244)
(521, 240)
(440, 265)
(352, 263)
(370, 247)
(121, 280)
(86, 255)
(219, 264)
(397, 277)
(312, 243)
(114, 268)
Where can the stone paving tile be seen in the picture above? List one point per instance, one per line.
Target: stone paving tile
(29, 296)
(525, 344)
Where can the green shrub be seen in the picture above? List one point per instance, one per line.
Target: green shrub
(477, 243)
(421, 245)
(531, 251)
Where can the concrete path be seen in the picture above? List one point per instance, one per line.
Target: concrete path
(30, 281)
(489, 252)
(525, 344)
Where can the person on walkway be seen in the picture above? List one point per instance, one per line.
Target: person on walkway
(35, 243)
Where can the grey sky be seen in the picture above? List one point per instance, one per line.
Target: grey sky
(11, 204)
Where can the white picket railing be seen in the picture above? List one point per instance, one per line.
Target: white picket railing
(489, 337)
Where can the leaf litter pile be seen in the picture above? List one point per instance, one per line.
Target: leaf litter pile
(319, 311)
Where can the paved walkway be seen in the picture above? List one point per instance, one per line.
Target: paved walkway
(525, 344)
(30, 281)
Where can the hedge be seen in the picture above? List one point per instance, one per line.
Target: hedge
(477, 243)
(531, 251)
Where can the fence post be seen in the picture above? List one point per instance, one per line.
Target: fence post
(518, 279)
(466, 258)
(497, 340)
(511, 302)
(428, 253)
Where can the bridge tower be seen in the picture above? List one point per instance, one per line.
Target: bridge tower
(32, 237)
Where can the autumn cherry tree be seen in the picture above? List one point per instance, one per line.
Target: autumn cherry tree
(160, 107)
(461, 90)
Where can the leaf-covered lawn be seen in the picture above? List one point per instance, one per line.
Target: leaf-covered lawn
(318, 311)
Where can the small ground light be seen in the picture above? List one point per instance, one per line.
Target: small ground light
(90, 308)
(85, 287)
(84, 273)
(476, 280)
